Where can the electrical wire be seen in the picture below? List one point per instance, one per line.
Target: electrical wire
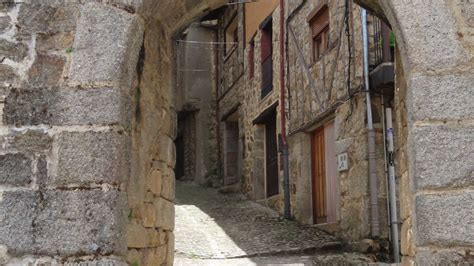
(348, 35)
(198, 42)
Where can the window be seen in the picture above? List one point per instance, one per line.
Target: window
(319, 23)
(231, 36)
(251, 59)
(267, 61)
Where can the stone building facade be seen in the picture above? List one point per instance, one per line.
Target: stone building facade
(346, 110)
(324, 94)
(89, 121)
(196, 145)
(241, 100)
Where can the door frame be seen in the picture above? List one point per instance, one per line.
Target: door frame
(321, 127)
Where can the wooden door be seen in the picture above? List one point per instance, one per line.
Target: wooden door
(331, 171)
(319, 177)
(271, 156)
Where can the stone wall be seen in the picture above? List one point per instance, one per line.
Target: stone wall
(151, 187)
(229, 93)
(434, 118)
(87, 130)
(330, 100)
(87, 133)
(65, 131)
(195, 98)
(244, 96)
(304, 114)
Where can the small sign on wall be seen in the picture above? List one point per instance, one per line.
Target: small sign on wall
(342, 164)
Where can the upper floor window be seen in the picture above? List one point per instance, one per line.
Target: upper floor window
(319, 24)
(231, 35)
(266, 55)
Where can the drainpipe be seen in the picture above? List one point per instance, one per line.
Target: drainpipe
(373, 186)
(392, 188)
(385, 163)
(286, 171)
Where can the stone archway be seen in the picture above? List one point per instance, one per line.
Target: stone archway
(151, 188)
(91, 143)
(434, 96)
(88, 128)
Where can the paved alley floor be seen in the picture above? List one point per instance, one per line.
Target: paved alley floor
(216, 229)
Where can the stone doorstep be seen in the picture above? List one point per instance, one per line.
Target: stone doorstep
(327, 247)
(329, 228)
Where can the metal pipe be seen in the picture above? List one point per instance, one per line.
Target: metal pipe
(392, 188)
(286, 171)
(373, 184)
(385, 163)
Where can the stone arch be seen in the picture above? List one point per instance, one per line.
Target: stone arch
(84, 93)
(89, 124)
(434, 92)
(154, 130)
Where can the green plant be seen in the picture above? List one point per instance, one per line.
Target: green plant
(69, 50)
(130, 215)
(135, 264)
(392, 39)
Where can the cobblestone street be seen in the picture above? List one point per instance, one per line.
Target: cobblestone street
(216, 229)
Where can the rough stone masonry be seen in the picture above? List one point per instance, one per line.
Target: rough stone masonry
(87, 129)
(88, 122)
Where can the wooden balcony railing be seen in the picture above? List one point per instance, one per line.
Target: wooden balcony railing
(381, 43)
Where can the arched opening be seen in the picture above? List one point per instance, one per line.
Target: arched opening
(90, 122)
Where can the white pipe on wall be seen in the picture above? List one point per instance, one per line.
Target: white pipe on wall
(392, 187)
(384, 130)
(373, 181)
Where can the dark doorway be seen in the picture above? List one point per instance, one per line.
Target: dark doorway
(231, 152)
(179, 169)
(271, 155)
(185, 144)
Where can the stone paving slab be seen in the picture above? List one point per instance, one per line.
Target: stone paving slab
(210, 225)
(321, 259)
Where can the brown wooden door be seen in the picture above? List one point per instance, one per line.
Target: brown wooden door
(319, 176)
(271, 154)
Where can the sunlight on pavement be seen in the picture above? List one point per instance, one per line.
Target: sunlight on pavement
(213, 242)
(236, 262)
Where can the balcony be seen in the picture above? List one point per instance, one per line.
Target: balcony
(382, 56)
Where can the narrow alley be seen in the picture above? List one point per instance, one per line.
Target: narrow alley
(236, 132)
(216, 229)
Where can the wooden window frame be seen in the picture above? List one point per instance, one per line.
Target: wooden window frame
(320, 40)
(318, 21)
